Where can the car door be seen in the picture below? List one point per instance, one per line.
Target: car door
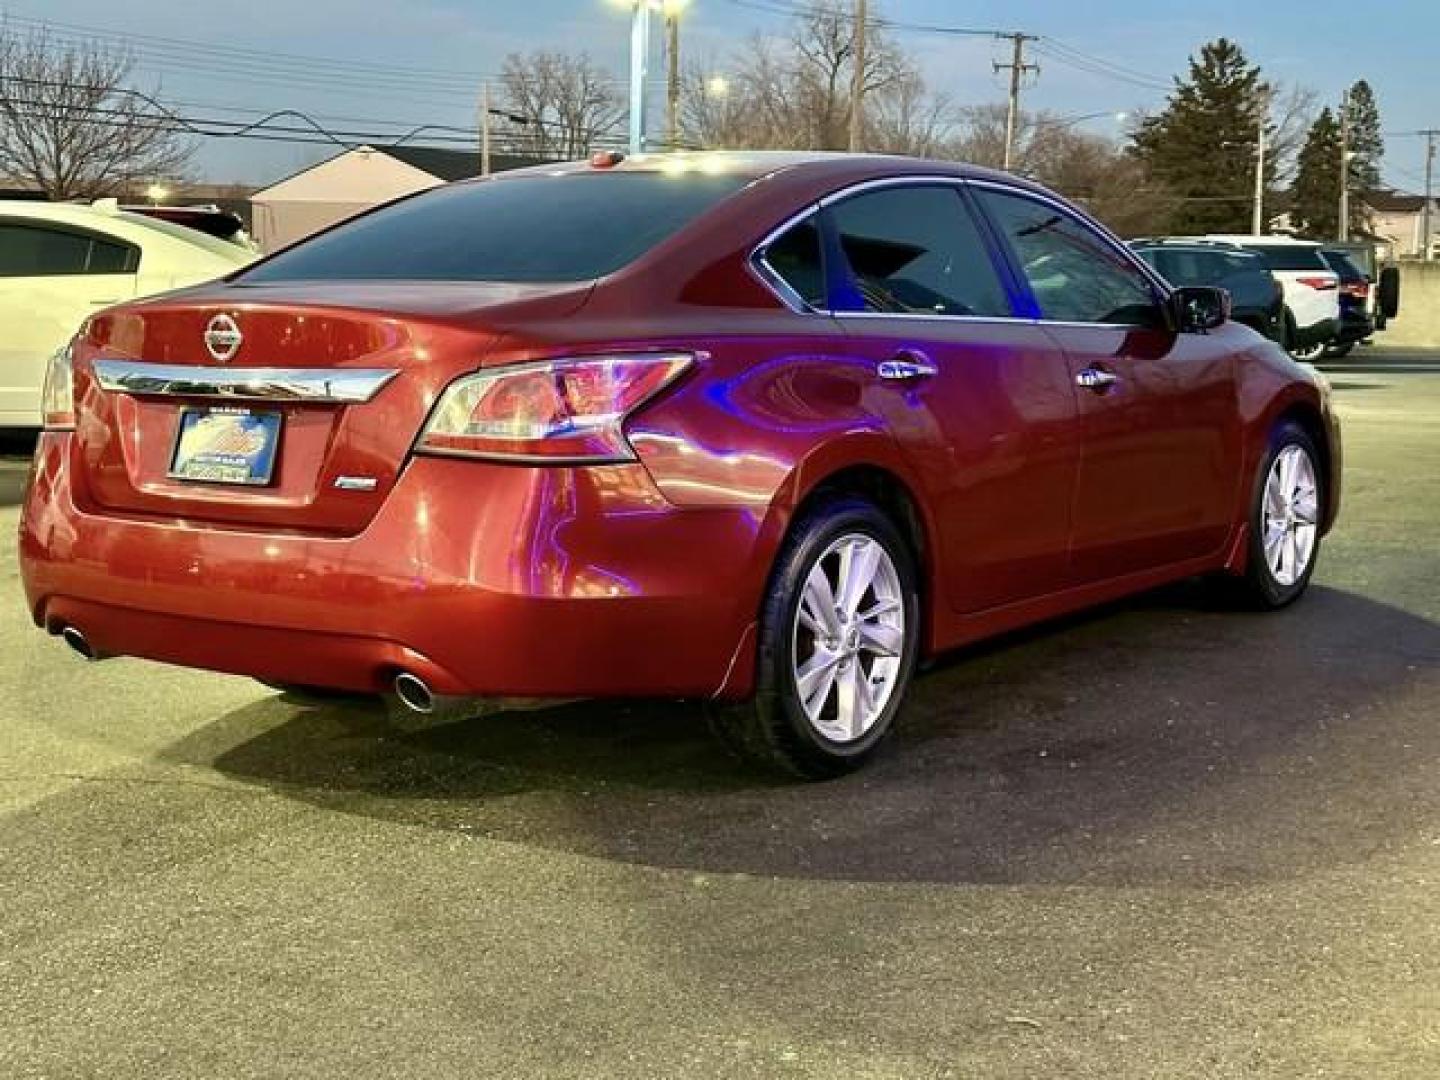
(51, 278)
(1159, 470)
(981, 400)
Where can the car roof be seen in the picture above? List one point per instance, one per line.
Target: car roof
(1257, 240)
(71, 213)
(758, 164)
(1198, 246)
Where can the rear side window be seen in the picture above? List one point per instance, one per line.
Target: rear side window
(574, 227)
(1342, 264)
(916, 250)
(1075, 274)
(38, 251)
(1289, 256)
(794, 258)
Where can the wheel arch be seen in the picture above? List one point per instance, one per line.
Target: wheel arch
(1308, 417)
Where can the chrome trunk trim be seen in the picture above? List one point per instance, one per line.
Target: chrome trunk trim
(338, 385)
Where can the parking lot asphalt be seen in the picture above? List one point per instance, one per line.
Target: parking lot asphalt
(1159, 840)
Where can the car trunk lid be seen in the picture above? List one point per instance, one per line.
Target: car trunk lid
(332, 381)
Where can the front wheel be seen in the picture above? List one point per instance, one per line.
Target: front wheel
(838, 640)
(1284, 521)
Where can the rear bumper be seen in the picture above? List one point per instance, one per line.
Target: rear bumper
(483, 579)
(1319, 333)
(1355, 327)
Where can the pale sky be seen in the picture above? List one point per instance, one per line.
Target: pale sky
(364, 63)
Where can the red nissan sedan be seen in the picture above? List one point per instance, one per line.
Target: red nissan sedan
(763, 429)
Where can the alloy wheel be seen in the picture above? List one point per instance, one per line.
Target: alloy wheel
(849, 638)
(1290, 514)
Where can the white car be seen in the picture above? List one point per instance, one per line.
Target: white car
(59, 262)
(1312, 289)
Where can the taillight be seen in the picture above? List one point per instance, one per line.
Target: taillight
(1358, 289)
(559, 410)
(1320, 283)
(57, 401)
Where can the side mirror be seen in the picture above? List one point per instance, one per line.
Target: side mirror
(1390, 291)
(1198, 309)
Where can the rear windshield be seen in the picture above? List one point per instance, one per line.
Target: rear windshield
(531, 228)
(1289, 256)
(1343, 265)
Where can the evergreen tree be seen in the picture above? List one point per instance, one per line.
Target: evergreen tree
(1315, 196)
(1368, 147)
(1203, 146)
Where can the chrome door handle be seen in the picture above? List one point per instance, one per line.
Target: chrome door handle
(908, 364)
(1096, 379)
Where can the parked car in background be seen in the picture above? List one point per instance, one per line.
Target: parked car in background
(1384, 278)
(1357, 297)
(211, 220)
(760, 429)
(1257, 298)
(59, 263)
(1312, 289)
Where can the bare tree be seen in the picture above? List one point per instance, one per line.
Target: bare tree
(794, 93)
(561, 105)
(71, 126)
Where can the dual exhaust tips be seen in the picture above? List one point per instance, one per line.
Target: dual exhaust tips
(411, 691)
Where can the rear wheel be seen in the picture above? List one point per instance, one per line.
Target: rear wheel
(1307, 352)
(1284, 521)
(838, 639)
(1339, 349)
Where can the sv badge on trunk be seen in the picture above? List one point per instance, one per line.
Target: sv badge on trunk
(223, 338)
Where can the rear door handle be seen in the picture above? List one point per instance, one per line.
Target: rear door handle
(1096, 379)
(907, 364)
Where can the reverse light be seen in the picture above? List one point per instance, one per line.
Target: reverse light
(1319, 283)
(558, 410)
(57, 400)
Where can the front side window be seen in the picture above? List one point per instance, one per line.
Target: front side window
(1075, 274)
(37, 251)
(574, 227)
(916, 250)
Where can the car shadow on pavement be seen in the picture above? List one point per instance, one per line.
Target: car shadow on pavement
(1160, 741)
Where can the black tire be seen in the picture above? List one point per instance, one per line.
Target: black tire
(1258, 588)
(772, 730)
(1339, 349)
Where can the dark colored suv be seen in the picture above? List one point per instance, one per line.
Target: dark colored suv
(1257, 299)
(1356, 319)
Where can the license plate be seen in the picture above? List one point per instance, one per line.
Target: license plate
(226, 446)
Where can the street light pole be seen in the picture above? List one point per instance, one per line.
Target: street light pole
(1429, 187)
(639, 62)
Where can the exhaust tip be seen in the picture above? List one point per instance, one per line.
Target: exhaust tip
(413, 693)
(77, 641)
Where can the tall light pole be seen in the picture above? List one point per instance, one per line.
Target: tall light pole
(639, 65)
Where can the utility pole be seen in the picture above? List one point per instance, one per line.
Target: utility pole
(485, 129)
(857, 80)
(1257, 218)
(1429, 186)
(672, 82)
(1343, 229)
(1017, 68)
